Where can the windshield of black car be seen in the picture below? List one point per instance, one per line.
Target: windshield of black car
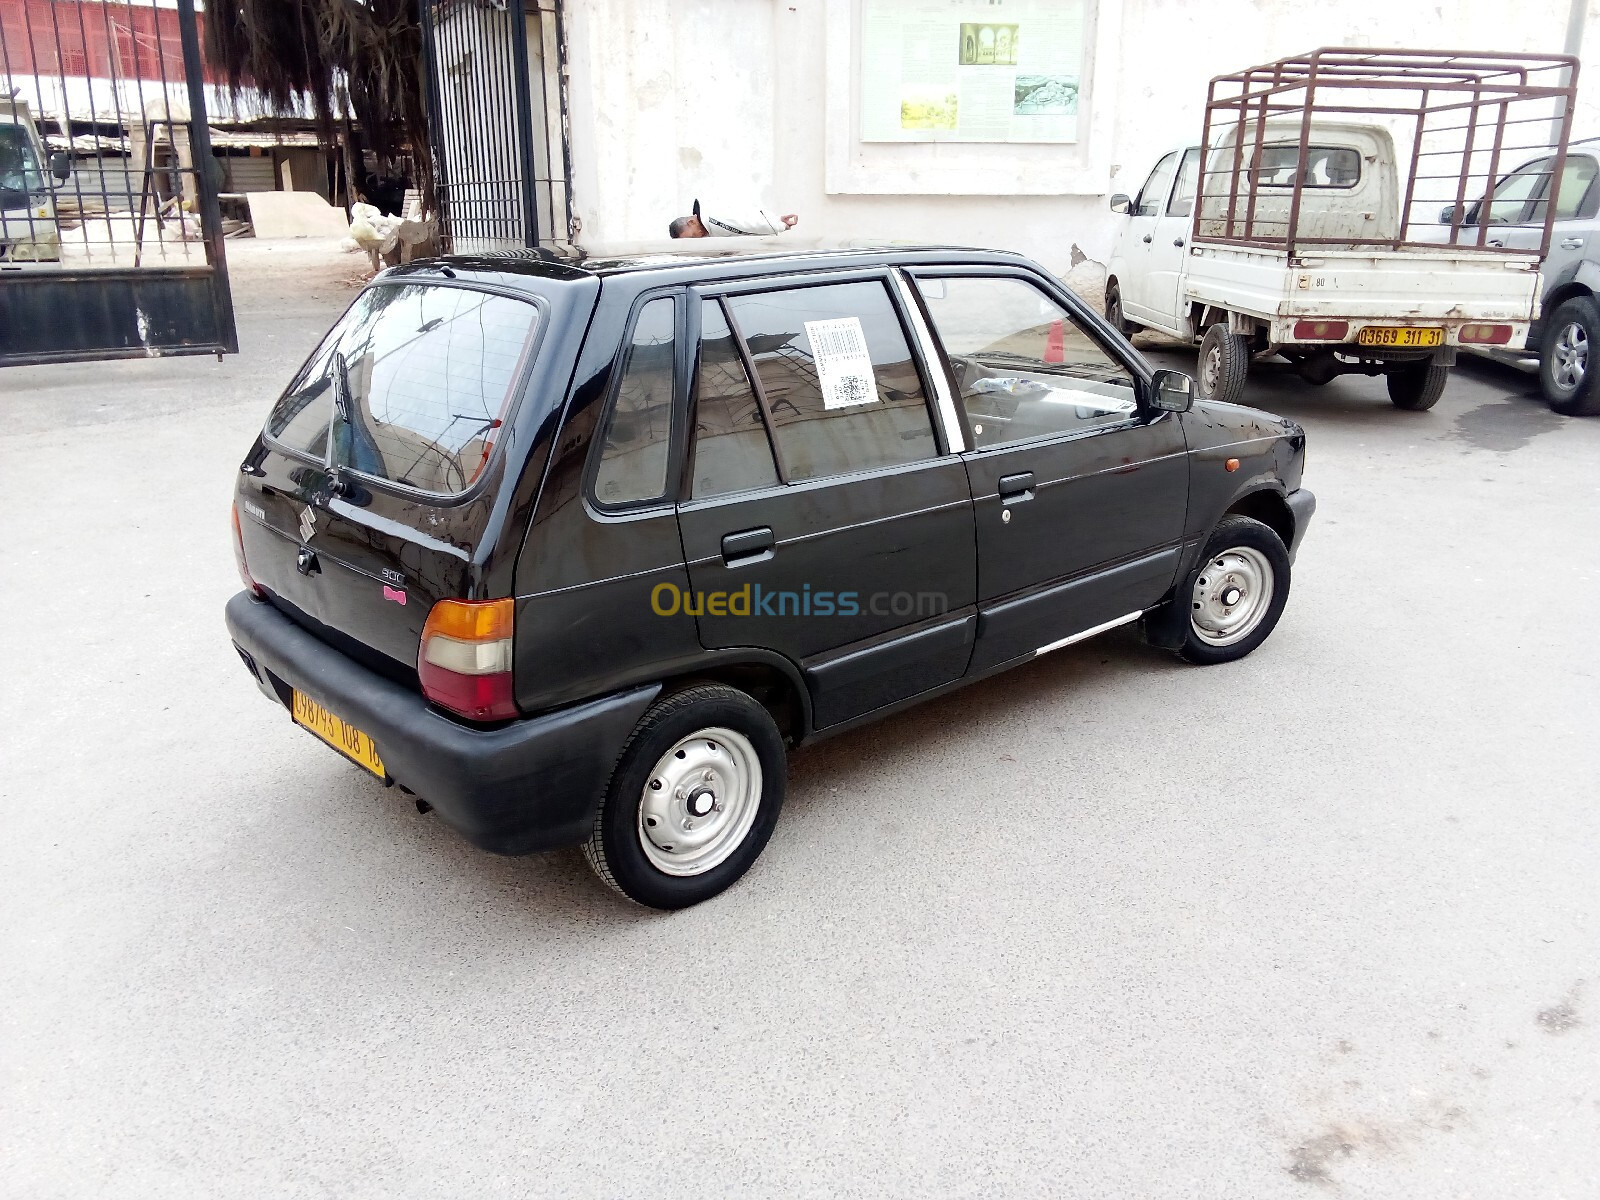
(20, 174)
(430, 372)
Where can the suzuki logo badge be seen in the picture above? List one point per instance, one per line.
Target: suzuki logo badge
(308, 524)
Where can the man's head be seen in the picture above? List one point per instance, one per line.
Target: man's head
(687, 227)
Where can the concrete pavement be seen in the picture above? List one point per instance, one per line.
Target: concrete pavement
(1325, 921)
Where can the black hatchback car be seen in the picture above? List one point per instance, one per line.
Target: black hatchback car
(573, 552)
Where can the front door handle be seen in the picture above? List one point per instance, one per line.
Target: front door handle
(1017, 487)
(747, 546)
(1572, 243)
(1145, 238)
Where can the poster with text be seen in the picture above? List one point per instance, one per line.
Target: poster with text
(971, 70)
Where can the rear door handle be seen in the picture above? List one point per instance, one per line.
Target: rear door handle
(747, 546)
(1177, 241)
(1572, 243)
(1017, 487)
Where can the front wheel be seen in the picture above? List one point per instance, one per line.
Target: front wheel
(1237, 592)
(1566, 369)
(1418, 386)
(692, 801)
(1114, 314)
(1224, 362)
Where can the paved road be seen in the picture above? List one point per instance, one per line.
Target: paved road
(1324, 922)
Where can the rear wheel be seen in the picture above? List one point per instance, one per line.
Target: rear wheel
(1568, 369)
(692, 801)
(1417, 387)
(1237, 592)
(1224, 363)
(1114, 314)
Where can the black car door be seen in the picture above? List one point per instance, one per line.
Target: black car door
(822, 514)
(1079, 487)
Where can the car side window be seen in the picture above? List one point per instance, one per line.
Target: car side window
(1577, 174)
(1182, 203)
(1025, 368)
(840, 384)
(633, 463)
(1511, 194)
(731, 450)
(1154, 192)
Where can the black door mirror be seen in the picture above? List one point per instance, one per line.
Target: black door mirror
(61, 166)
(1121, 204)
(1447, 214)
(1172, 391)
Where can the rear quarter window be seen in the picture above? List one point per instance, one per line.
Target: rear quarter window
(431, 371)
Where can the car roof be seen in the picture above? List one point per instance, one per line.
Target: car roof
(521, 268)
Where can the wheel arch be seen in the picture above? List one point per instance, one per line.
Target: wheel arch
(771, 681)
(1570, 290)
(1267, 506)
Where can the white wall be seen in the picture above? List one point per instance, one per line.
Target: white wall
(727, 100)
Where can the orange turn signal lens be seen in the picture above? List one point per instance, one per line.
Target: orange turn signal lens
(1321, 331)
(471, 620)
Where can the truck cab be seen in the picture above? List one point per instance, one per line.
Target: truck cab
(28, 228)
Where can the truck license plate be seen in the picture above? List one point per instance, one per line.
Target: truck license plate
(1404, 336)
(337, 732)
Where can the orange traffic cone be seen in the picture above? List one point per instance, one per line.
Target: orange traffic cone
(1055, 345)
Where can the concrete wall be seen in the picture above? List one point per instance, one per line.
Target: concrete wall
(727, 100)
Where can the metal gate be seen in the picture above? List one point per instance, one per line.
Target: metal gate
(498, 123)
(110, 232)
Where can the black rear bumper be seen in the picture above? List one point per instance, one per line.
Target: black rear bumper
(529, 785)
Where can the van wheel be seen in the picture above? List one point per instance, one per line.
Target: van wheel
(1114, 315)
(1417, 388)
(1224, 363)
(1567, 365)
(693, 799)
(1237, 592)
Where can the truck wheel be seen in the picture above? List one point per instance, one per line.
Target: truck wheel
(1237, 592)
(692, 800)
(1565, 378)
(1418, 386)
(1224, 362)
(1114, 315)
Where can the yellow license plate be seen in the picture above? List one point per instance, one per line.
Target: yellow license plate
(1406, 336)
(338, 733)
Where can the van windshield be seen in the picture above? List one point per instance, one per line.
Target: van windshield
(426, 372)
(19, 167)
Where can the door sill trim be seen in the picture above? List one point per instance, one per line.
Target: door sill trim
(1089, 633)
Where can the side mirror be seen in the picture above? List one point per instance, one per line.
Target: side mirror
(61, 166)
(1172, 391)
(1121, 204)
(1447, 214)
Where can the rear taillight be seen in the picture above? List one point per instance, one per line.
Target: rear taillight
(250, 584)
(465, 660)
(1488, 335)
(1321, 331)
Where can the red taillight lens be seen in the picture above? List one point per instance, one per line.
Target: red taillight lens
(1486, 335)
(1321, 331)
(250, 584)
(464, 662)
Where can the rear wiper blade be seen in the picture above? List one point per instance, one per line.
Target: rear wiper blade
(338, 443)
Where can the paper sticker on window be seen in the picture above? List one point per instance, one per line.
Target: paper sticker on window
(844, 368)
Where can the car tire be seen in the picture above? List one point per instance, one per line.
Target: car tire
(1566, 374)
(692, 800)
(1417, 386)
(1224, 363)
(1245, 556)
(1114, 314)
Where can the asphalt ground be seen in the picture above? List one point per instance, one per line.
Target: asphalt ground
(1322, 922)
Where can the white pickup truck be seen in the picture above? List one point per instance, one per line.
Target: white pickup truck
(28, 228)
(1295, 241)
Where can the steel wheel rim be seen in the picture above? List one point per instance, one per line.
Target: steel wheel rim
(1570, 358)
(1211, 369)
(1232, 594)
(699, 802)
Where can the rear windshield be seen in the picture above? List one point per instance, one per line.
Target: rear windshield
(430, 371)
(1326, 166)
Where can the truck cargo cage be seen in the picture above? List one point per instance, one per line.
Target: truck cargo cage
(1459, 121)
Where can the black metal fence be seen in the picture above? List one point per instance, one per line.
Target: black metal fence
(110, 231)
(498, 127)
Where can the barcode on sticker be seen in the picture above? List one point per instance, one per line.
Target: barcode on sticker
(844, 368)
